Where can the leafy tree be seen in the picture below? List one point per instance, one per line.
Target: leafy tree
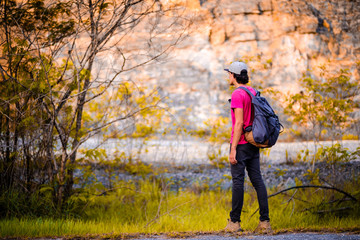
(324, 106)
(55, 90)
(27, 75)
(323, 109)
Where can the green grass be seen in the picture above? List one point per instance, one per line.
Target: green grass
(145, 207)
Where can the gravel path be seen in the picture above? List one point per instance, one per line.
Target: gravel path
(293, 236)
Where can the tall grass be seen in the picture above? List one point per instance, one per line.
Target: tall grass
(148, 206)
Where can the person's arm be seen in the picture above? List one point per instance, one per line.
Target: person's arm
(239, 123)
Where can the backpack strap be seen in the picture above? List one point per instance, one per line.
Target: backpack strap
(248, 91)
(249, 128)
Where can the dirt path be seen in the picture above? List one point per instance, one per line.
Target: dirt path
(287, 236)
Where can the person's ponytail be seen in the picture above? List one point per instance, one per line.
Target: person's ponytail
(242, 78)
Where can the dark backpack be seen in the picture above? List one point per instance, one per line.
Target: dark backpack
(265, 129)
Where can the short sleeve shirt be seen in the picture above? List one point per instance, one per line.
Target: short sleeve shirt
(241, 99)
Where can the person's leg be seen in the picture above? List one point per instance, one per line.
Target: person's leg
(253, 169)
(238, 174)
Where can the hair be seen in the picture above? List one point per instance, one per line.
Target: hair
(242, 78)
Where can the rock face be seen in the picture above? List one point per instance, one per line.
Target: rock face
(280, 40)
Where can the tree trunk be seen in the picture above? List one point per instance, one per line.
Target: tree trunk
(78, 122)
(81, 103)
(62, 196)
(8, 160)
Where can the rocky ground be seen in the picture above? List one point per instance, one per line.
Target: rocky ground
(184, 165)
(205, 176)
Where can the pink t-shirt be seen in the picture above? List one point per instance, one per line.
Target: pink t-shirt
(241, 99)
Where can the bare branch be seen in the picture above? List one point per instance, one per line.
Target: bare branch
(315, 186)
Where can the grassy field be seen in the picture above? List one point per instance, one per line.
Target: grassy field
(148, 207)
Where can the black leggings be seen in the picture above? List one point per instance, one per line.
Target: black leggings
(247, 156)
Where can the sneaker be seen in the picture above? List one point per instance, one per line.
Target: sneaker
(232, 226)
(264, 227)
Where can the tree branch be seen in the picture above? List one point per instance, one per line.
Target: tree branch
(315, 186)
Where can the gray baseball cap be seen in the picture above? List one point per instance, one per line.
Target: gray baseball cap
(237, 67)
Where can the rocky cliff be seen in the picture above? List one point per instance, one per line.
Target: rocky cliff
(280, 39)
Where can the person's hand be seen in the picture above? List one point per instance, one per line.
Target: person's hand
(232, 156)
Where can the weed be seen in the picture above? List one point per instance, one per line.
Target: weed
(148, 207)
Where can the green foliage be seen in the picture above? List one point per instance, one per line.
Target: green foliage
(38, 204)
(147, 206)
(324, 105)
(127, 100)
(264, 154)
(29, 74)
(336, 153)
(217, 131)
(303, 156)
(313, 176)
(329, 164)
(350, 137)
(95, 159)
(138, 168)
(280, 172)
(35, 14)
(322, 110)
(218, 159)
(51, 100)
(220, 130)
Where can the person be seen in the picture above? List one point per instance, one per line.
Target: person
(244, 155)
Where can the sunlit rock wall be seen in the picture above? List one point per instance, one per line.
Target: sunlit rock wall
(282, 38)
